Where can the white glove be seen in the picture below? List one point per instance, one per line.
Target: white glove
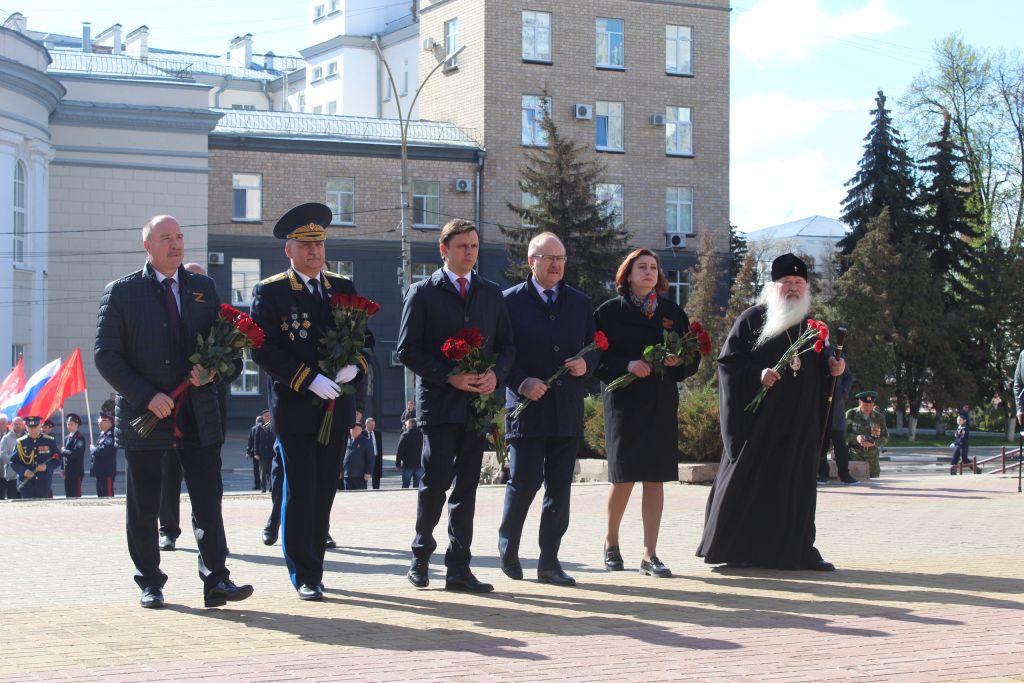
(346, 374)
(324, 388)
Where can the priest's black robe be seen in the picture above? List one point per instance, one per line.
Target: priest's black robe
(761, 507)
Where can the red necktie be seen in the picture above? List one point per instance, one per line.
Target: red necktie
(463, 289)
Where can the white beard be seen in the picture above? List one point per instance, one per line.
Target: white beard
(780, 313)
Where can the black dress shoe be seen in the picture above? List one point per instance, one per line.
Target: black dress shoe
(418, 573)
(465, 581)
(166, 542)
(511, 566)
(654, 567)
(269, 535)
(225, 591)
(555, 576)
(849, 480)
(311, 593)
(329, 542)
(152, 598)
(613, 559)
(820, 566)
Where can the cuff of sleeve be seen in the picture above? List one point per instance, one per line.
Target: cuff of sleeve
(302, 378)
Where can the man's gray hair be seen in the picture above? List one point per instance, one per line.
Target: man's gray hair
(147, 227)
(539, 238)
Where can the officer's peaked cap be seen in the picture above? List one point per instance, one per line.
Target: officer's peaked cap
(305, 223)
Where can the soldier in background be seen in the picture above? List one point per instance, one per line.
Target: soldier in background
(36, 457)
(104, 458)
(8, 477)
(866, 432)
(72, 458)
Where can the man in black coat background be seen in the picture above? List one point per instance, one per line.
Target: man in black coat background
(377, 444)
(409, 454)
(72, 458)
(454, 297)
(145, 333)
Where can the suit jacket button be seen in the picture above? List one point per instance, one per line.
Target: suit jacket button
(556, 348)
(466, 319)
(167, 362)
(551, 317)
(558, 382)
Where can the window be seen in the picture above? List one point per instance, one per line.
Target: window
(318, 12)
(678, 50)
(610, 125)
(318, 73)
(537, 36)
(20, 209)
(244, 107)
(451, 41)
(405, 77)
(332, 69)
(610, 53)
(335, 6)
(247, 383)
(528, 201)
(318, 109)
(422, 271)
(332, 107)
(245, 273)
(387, 86)
(678, 285)
(426, 204)
(678, 131)
(341, 197)
(17, 353)
(345, 269)
(246, 196)
(611, 198)
(535, 108)
(302, 102)
(679, 210)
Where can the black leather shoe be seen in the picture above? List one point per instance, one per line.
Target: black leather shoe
(311, 593)
(613, 559)
(152, 598)
(418, 573)
(465, 581)
(555, 576)
(849, 480)
(511, 566)
(654, 567)
(225, 591)
(269, 535)
(329, 542)
(822, 481)
(166, 542)
(820, 566)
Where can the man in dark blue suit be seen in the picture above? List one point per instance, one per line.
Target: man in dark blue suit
(293, 308)
(554, 321)
(454, 297)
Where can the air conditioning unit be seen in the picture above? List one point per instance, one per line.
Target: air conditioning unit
(582, 111)
(657, 119)
(463, 185)
(215, 258)
(428, 44)
(395, 363)
(674, 240)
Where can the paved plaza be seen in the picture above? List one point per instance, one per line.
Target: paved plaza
(930, 586)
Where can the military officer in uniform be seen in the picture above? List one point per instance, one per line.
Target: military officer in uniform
(36, 457)
(72, 458)
(104, 458)
(293, 308)
(866, 432)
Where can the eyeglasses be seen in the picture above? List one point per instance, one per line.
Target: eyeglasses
(554, 259)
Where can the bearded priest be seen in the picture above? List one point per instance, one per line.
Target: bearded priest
(761, 508)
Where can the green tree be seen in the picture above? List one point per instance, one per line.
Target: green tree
(561, 180)
(745, 287)
(738, 251)
(701, 304)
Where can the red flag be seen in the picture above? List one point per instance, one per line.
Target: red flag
(69, 380)
(14, 383)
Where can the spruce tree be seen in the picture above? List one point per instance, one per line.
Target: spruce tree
(701, 306)
(738, 249)
(562, 182)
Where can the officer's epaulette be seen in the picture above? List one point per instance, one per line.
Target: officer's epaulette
(274, 278)
(330, 274)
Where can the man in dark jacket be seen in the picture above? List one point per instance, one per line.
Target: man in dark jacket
(250, 452)
(103, 457)
(264, 439)
(357, 467)
(553, 321)
(72, 458)
(436, 309)
(377, 444)
(409, 456)
(146, 331)
(836, 434)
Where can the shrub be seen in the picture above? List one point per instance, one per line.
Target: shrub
(593, 445)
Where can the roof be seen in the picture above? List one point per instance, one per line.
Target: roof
(98, 64)
(814, 226)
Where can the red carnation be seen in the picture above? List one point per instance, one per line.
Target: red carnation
(472, 336)
(455, 349)
(819, 346)
(696, 327)
(601, 340)
(704, 340)
(229, 312)
(823, 333)
(372, 308)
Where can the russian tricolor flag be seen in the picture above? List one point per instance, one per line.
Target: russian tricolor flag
(33, 386)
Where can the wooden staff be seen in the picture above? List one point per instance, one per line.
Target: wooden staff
(840, 342)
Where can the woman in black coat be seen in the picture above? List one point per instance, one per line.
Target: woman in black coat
(640, 420)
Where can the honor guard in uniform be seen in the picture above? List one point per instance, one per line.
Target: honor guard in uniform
(104, 458)
(36, 456)
(72, 458)
(293, 308)
(866, 432)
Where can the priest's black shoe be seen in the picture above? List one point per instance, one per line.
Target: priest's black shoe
(555, 576)
(655, 567)
(820, 566)
(465, 581)
(312, 593)
(511, 566)
(166, 542)
(269, 535)
(152, 598)
(613, 559)
(225, 591)
(329, 542)
(419, 573)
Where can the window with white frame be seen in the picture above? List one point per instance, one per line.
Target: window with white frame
(246, 196)
(318, 12)
(678, 50)
(610, 125)
(528, 201)
(345, 269)
(537, 36)
(426, 204)
(678, 131)
(20, 212)
(451, 42)
(248, 382)
(341, 197)
(17, 353)
(332, 69)
(535, 108)
(405, 77)
(332, 107)
(335, 6)
(317, 109)
(422, 271)
(245, 273)
(678, 286)
(611, 198)
(679, 210)
(318, 73)
(610, 48)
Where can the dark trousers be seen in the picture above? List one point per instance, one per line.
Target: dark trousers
(201, 468)
(310, 480)
(355, 484)
(960, 455)
(170, 495)
(837, 437)
(378, 470)
(9, 490)
(550, 460)
(451, 459)
(72, 487)
(104, 487)
(276, 488)
(256, 478)
(266, 467)
(411, 475)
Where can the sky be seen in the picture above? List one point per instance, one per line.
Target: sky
(804, 74)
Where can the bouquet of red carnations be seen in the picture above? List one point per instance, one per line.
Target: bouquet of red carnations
(231, 333)
(600, 343)
(344, 344)
(695, 341)
(811, 339)
(466, 350)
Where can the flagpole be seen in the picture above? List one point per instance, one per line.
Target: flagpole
(88, 412)
(63, 422)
